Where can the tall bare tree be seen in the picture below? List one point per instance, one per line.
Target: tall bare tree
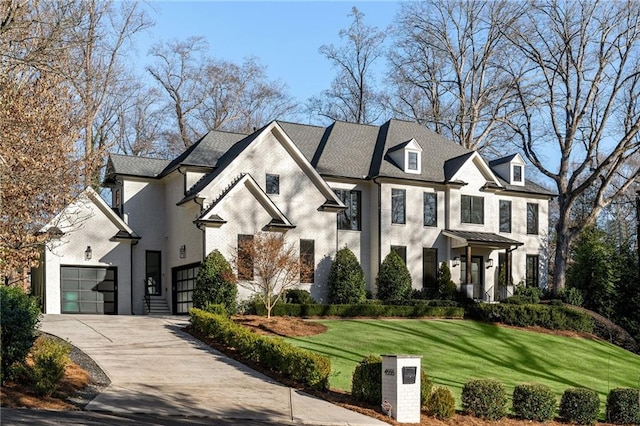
(577, 114)
(353, 96)
(447, 68)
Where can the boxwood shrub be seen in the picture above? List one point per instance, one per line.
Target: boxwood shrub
(580, 405)
(441, 404)
(366, 382)
(550, 317)
(484, 398)
(534, 401)
(374, 310)
(623, 406)
(273, 353)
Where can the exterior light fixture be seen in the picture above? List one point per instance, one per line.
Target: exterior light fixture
(183, 251)
(88, 253)
(489, 263)
(456, 261)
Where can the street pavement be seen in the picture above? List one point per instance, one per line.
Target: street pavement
(159, 371)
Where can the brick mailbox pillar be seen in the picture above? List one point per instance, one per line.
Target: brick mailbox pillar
(401, 387)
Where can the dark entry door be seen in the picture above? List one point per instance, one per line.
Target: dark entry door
(477, 274)
(88, 290)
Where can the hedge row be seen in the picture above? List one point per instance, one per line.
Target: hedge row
(362, 310)
(273, 353)
(547, 316)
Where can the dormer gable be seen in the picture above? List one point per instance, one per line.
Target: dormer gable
(407, 156)
(454, 169)
(510, 168)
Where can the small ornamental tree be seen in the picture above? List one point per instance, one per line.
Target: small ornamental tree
(269, 266)
(346, 279)
(446, 287)
(216, 284)
(394, 280)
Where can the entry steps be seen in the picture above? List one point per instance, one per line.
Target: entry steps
(157, 306)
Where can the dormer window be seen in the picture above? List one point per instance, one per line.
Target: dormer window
(517, 173)
(413, 160)
(407, 156)
(510, 168)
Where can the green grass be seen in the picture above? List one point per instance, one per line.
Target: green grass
(454, 351)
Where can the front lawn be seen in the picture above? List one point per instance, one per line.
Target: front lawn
(454, 351)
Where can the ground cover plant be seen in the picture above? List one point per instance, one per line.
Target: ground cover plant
(456, 351)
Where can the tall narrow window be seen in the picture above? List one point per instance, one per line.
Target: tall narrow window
(430, 209)
(349, 219)
(400, 251)
(153, 273)
(413, 160)
(245, 258)
(307, 261)
(272, 184)
(430, 268)
(532, 270)
(472, 209)
(532, 218)
(517, 173)
(398, 206)
(505, 216)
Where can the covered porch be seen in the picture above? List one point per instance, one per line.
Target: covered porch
(484, 263)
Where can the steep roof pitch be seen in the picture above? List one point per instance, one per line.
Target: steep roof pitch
(135, 166)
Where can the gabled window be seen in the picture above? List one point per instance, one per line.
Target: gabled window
(245, 258)
(412, 158)
(430, 209)
(400, 251)
(472, 209)
(505, 216)
(307, 261)
(517, 173)
(350, 218)
(398, 206)
(532, 218)
(272, 184)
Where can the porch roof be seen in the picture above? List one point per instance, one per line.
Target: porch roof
(487, 239)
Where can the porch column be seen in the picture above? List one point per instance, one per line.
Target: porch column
(507, 266)
(467, 278)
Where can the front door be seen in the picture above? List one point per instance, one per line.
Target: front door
(477, 275)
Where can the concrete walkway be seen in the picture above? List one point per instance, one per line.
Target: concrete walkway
(156, 368)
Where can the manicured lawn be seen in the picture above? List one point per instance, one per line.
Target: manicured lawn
(454, 351)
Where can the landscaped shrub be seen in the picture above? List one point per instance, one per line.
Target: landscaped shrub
(623, 406)
(394, 280)
(50, 358)
(426, 385)
(484, 398)
(533, 401)
(531, 294)
(572, 296)
(366, 382)
(216, 283)
(580, 405)
(447, 289)
(441, 403)
(298, 296)
(216, 308)
(275, 354)
(550, 317)
(19, 316)
(369, 309)
(346, 279)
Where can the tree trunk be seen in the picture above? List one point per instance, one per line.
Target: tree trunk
(563, 244)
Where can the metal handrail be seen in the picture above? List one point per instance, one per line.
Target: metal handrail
(487, 294)
(147, 296)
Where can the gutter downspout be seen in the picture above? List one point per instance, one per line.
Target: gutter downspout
(203, 228)
(375, 180)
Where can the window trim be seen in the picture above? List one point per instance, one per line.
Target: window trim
(395, 194)
(434, 222)
(517, 177)
(411, 154)
(473, 200)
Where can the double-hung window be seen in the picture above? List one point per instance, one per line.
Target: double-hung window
(532, 270)
(350, 218)
(430, 209)
(398, 206)
(505, 216)
(472, 209)
(532, 218)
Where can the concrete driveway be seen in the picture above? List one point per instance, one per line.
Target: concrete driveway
(156, 368)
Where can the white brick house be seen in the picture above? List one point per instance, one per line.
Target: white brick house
(374, 189)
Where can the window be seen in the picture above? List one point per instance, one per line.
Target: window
(430, 209)
(517, 173)
(153, 273)
(400, 251)
(350, 218)
(413, 160)
(532, 218)
(245, 259)
(307, 261)
(429, 268)
(398, 206)
(273, 184)
(532, 278)
(505, 216)
(472, 209)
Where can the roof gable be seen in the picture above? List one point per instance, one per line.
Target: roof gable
(454, 168)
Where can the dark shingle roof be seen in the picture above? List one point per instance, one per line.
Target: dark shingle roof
(502, 160)
(135, 166)
(487, 238)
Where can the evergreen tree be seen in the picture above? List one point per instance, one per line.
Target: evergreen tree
(346, 279)
(394, 280)
(216, 284)
(446, 287)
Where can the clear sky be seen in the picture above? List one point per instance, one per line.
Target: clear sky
(283, 35)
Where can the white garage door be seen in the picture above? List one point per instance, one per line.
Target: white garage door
(88, 290)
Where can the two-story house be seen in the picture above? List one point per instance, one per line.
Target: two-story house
(398, 186)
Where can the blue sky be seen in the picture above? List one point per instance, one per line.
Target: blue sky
(283, 35)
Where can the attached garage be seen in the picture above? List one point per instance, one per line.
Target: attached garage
(184, 281)
(88, 290)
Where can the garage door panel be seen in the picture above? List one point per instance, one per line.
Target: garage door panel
(89, 290)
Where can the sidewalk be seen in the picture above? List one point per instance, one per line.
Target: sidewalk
(156, 368)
